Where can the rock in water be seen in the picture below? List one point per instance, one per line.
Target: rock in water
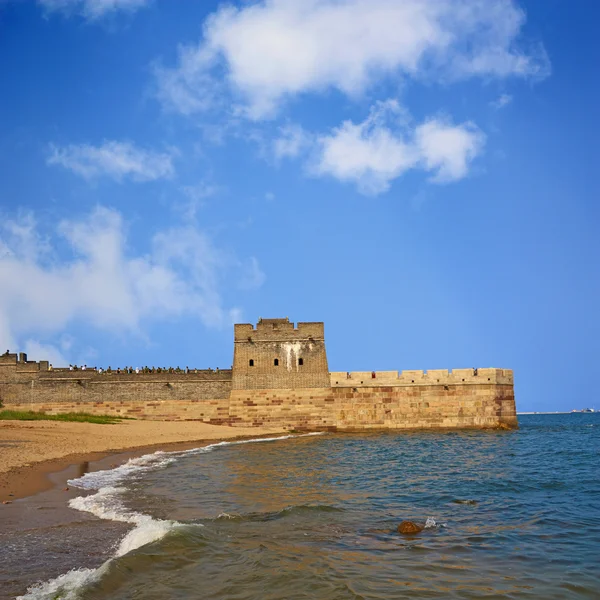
(408, 527)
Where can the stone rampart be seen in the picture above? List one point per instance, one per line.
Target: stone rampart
(280, 377)
(378, 407)
(33, 383)
(208, 411)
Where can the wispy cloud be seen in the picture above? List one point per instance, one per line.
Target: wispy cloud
(93, 9)
(292, 140)
(502, 101)
(196, 196)
(267, 52)
(252, 275)
(114, 159)
(102, 284)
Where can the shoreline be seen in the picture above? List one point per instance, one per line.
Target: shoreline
(29, 475)
(42, 494)
(25, 482)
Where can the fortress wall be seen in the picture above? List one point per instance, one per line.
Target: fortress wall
(304, 409)
(341, 408)
(385, 407)
(92, 375)
(428, 406)
(73, 386)
(13, 367)
(281, 380)
(280, 377)
(209, 411)
(378, 407)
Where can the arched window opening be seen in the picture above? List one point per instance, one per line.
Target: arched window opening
(300, 362)
(251, 363)
(276, 362)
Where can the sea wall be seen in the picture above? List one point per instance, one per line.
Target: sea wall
(410, 399)
(344, 409)
(485, 405)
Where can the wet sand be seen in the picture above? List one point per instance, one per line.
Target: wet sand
(31, 450)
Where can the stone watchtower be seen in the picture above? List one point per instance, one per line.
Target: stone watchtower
(277, 355)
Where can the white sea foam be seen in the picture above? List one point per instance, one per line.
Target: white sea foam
(133, 467)
(431, 523)
(107, 504)
(64, 586)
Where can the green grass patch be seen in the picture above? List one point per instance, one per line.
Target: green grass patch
(27, 415)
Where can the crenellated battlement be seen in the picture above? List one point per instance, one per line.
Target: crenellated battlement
(18, 363)
(279, 329)
(418, 377)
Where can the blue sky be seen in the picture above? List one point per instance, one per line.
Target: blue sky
(417, 174)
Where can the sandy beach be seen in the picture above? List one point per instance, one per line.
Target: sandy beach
(30, 450)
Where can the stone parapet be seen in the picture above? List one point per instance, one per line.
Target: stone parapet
(431, 377)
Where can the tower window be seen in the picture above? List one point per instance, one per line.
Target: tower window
(251, 363)
(300, 361)
(276, 362)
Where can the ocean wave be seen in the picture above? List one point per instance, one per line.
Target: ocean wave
(65, 587)
(279, 514)
(107, 504)
(133, 467)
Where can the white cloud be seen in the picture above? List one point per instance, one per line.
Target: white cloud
(502, 101)
(373, 153)
(272, 50)
(446, 149)
(117, 160)
(189, 88)
(102, 285)
(93, 9)
(292, 141)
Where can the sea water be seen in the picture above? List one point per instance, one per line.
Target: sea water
(507, 514)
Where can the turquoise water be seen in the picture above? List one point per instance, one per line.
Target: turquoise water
(511, 515)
